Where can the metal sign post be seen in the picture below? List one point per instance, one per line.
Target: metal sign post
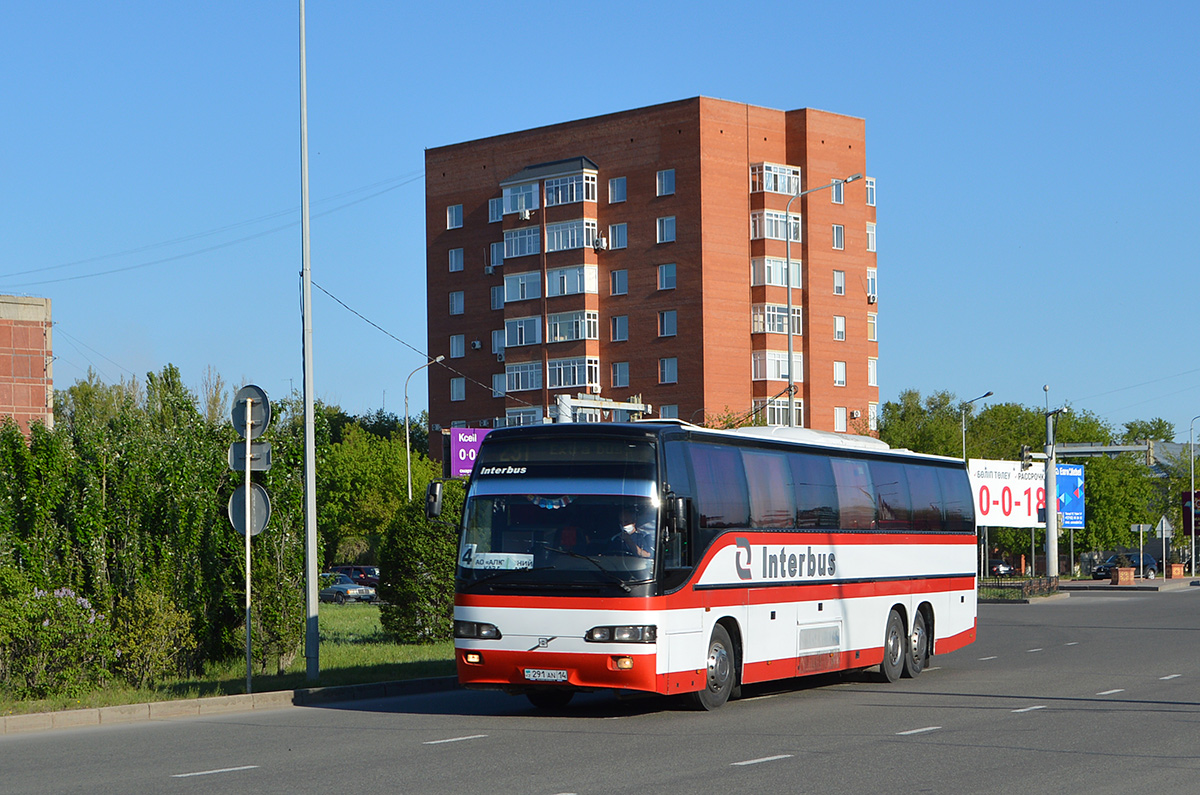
(251, 416)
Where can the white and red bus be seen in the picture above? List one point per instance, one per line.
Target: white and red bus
(666, 558)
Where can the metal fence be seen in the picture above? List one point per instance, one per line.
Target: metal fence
(1012, 588)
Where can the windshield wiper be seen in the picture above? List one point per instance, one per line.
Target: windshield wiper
(624, 586)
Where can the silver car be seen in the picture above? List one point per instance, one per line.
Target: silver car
(341, 589)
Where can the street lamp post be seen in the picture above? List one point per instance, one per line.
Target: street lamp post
(1192, 494)
(407, 451)
(787, 278)
(987, 394)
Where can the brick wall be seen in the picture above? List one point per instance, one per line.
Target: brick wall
(26, 383)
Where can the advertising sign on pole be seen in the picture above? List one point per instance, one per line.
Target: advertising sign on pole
(1008, 496)
(464, 446)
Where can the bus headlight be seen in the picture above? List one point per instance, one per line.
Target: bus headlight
(624, 634)
(476, 629)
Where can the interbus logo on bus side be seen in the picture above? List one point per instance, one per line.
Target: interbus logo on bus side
(784, 564)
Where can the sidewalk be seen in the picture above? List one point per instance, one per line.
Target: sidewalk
(218, 705)
(1153, 586)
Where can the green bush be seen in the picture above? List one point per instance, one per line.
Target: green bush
(52, 644)
(417, 577)
(153, 638)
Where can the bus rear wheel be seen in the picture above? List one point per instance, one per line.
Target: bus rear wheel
(917, 656)
(550, 699)
(894, 645)
(721, 673)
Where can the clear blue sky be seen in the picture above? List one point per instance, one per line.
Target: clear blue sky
(1037, 169)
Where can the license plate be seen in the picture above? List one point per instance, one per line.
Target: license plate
(545, 675)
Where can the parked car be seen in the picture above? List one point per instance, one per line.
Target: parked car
(363, 575)
(337, 587)
(998, 568)
(1144, 564)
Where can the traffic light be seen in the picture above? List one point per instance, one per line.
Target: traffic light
(1026, 456)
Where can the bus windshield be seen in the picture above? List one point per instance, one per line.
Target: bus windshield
(543, 517)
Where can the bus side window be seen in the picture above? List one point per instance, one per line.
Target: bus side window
(856, 495)
(721, 492)
(892, 501)
(772, 495)
(926, 498)
(816, 494)
(960, 504)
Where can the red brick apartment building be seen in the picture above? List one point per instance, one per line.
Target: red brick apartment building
(643, 253)
(26, 370)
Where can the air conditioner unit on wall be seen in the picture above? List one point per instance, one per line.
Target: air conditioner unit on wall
(600, 244)
(871, 298)
(594, 389)
(476, 345)
(525, 215)
(489, 269)
(855, 414)
(500, 356)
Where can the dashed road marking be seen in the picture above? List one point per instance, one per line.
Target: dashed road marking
(1030, 709)
(1169, 676)
(761, 760)
(918, 731)
(213, 772)
(455, 739)
(1111, 692)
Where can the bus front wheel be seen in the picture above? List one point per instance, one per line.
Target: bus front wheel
(721, 674)
(894, 645)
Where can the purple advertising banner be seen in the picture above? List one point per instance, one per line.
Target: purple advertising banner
(464, 446)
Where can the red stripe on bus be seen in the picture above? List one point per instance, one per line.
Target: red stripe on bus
(501, 667)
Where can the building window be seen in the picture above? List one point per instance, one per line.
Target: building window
(668, 370)
(498, 296)
(870, 237)
(499, 382)
(666, 182)
(616, 190)
(839, 282)
(872, 371)
(522, 331)
(772, 319)
(837, 193)
(774, 411)
(458, 389)
(618, 282)
(839, 373)
(666, 229)
(774, 178)
(571, 281)
(620, 374)
(520, 197)
(619, 328)
(577, 371)
(839, 327)
(570, 235)
(872, 332)
(514, 417)
(456, 260)
(523, 377)
(496, 255)
(458, 346)
(873, 416)
(666, 323)
(870, 182)
(498, 340)
(522, 242)
(872, 284)
(495, 210)
(666, 276)
(572, 189)
(567, 326)
(454, 216)
(669, 411)
(773, 271)
(618, 236)
(839, 419)
(772, 366)
(839, 237)
(774, 225)
(522, 286)
(456, 302)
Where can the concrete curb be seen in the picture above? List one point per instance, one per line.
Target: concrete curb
(218, 705)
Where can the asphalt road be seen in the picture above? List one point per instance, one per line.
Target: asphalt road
(1094, 693)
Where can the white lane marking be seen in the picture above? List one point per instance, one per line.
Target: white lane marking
(211, 772)
(985, 659)
(1073, 643)
(918, 731)
(1169, 676)
(760, 761)
(1111, 692)
(934, 668)
(1031, 651)
(1030, 709)
(455, 739)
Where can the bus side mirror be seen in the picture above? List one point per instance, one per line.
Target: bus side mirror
(433, 500)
